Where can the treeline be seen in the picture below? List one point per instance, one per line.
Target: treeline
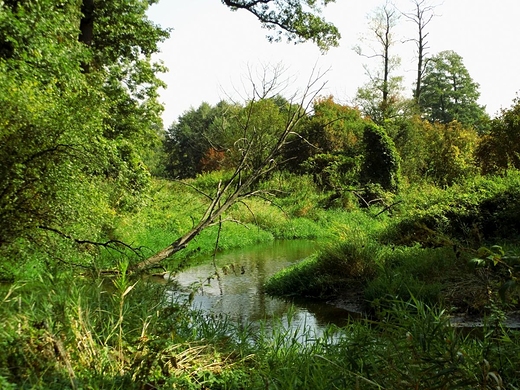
(340, 146)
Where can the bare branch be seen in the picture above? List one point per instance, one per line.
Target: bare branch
(110, 244)
(241, 183)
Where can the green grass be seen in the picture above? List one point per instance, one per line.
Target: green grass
(64, 330)
(64, 333)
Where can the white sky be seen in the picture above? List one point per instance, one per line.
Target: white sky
(211, 48)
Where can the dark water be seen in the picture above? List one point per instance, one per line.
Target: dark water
(237, 290)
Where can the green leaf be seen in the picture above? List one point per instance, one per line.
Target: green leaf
(510, 284)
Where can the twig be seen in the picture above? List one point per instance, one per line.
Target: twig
(388, 207)
(107, 244)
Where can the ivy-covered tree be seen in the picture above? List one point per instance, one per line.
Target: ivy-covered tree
(449, 93)
(380, 160)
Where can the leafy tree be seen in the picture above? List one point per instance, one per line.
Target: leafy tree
(328, 144)
(70, 135)
(211, 138)
(442, 153)
(450, 152)
(332, 128)
(500, 148)
(449, 93)
(299, 20)
(186, 141)
(407, 132)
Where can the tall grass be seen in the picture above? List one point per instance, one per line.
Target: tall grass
(71, 333)
(63, 330)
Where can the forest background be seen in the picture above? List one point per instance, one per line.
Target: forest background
(92, 184)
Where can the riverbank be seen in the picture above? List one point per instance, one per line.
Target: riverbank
(408, 261)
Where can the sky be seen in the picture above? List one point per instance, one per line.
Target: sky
(212, 49)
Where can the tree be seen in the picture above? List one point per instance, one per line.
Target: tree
(379, 98)
(187, 140)
(71, 137)
(327, 144)
(298, 19)
(499, 150)
(449, 93)
(209, 138)
(421, 16)
(257, 159)
(381, 160)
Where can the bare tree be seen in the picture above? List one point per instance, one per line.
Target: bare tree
(382, 24)
(248, 170)
(422, 15)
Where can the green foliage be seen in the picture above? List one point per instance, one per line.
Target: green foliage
(381, 160)
(333, 130)
(332, 171)
(506, 265)
(75, 121)
(448, 92)
(450, 152)
(61, 333)
(408, 272)
(299, 19)
(369, 99)
(345, 264)
(214, 138)
(472, 212)
(498, 150)
(408, 134)
(442, 153)
(189, 140)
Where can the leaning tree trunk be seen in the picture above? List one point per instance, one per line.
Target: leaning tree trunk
(240, 185)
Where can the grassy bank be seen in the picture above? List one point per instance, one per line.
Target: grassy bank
(73, 333)
(457, 248)
(69, 328)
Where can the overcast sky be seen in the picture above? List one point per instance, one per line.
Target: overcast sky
(211, 49)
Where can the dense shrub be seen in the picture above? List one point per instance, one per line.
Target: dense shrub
(381, 160)
(473, 212)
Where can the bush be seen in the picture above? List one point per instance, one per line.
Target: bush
(473, 212)
(381, 160)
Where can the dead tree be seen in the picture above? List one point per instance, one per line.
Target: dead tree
(422, 15)
(377, 98)
(246, 173)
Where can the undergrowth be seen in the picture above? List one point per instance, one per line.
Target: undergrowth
(64, 333)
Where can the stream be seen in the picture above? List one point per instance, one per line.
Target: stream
(237, 292)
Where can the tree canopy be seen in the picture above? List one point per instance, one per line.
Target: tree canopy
(449, 93)
(298, 20)
(79, 107)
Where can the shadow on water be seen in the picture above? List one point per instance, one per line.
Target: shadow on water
(233, 287)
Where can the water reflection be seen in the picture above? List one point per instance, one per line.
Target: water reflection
(232, 287)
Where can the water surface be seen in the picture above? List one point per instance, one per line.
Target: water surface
(232, 286)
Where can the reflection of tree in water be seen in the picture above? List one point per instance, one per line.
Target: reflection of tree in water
(238, 291)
